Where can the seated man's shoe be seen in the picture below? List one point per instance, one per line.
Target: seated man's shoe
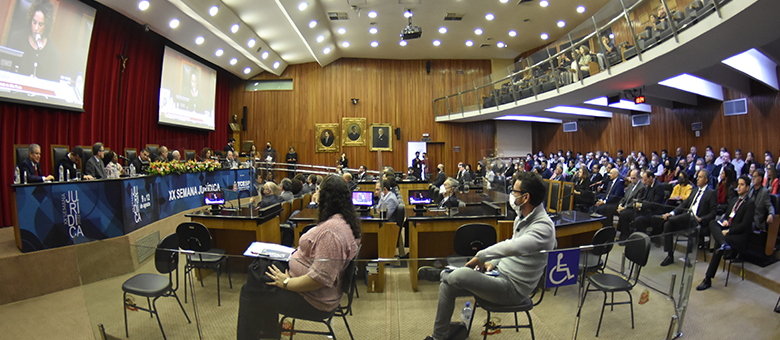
(707, 283)
(428, 273)
(667, 261)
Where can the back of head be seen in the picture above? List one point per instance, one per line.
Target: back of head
(335, 198)
(273, 188)
(286, 184)
(297, 186)
(77, 151)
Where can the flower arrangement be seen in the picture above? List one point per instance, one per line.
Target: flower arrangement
(165, 168)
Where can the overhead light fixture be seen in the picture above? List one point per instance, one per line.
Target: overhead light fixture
(561, 23)
(264, 55)
(247, 70)
(490, 16)
(276, 65)
(199, 40)
(342, 30)
(326, 50)
(523, 118)
(544, 3)
(621, 104)
(313, 24)
(442, 30)
(219, 52)
(174, 23)
(373, 30)
(374, 43)
(302, 6)
(402, 43)
(436, 42)
(512, 33)
(478, 31)
(756, 65)
(500, 44)
(580, 9)
(504, 1)
(251, 43)
(612, 35)
(143, 5)
(372, 14)
(234, 28)
(696, 85)
(320, 38)
(345, 44)
(408, 14)
(213, 10)
(233, 61)
(544, 36)
(469, 43)
(574, 110)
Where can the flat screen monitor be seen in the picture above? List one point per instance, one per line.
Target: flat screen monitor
(419, 197)
(44, 47)
(187, 92)
(363, 198)
(214, 197)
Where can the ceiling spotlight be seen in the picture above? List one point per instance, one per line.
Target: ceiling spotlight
(612, 35)
(313, 24)
(372, 14)
(321, 38)
(247, 70)
(442, 30)
(233, 61)
(251, 43)
(544, 36)
(219, 52)
(264, 55)
(436, 43)
(580, 9)
(234, 28)
(373, 30)
(469, 43)
(342, 30)
(512, 33)
(345, 44)
(374, 43)
(143, 5)
(174, 23)
(561, 23)
(490, 16)
(500, 44)
(213, 10)
(326, 50)
(199, 40)
(478, 31)
(408, 14)
(302, 6)
(402, 43)
(276, 65)
(544, 3)
(504, 1)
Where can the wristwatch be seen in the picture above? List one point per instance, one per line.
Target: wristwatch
(285, 282)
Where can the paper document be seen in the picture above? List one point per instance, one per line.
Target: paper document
(269, 250)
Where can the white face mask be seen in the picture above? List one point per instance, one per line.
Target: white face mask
(633, 167)
(442, 189)
(698, 168)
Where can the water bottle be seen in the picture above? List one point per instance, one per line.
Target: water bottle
(62, 172)
(132, 170)
(24, 177)
(17, 179)
(465, 314)
(67, 175)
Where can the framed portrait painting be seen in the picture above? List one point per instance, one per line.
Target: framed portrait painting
(326, 139)
(353, 131)
(381, 137)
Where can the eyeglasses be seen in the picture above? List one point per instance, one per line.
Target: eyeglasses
(519, 193)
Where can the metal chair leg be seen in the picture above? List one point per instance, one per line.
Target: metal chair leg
(151, 315)
(530, 324)
(604, 304)
(348, 329)
(487, 325)
(124, 307)
(631, 304)
(156, 313)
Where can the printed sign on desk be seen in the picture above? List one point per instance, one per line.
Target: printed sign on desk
(562, 268)
(139, 197)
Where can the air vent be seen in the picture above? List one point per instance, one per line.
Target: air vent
(453, 17)
(640, 120)
(570, 127)
(735, 107)
(338, 16)
(485, 45)
(697, 126)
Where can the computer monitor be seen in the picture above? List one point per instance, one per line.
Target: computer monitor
(216, 197)
(363, 198)
(419, 197)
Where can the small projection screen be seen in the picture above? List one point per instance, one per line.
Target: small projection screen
(187, 92)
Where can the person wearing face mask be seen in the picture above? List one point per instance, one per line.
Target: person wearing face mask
(681, 191)
(447, 191)
(386, 199)
(518, 260)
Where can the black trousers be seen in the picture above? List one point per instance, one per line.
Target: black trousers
(737, 242)
(624, 222)
(609, 211)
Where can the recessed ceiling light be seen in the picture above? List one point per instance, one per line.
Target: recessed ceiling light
(233, 61)
(313, 24)
(478, 31)
(174, 23)
(612, 35)
(402, 43)
(469, 43)
(276, 65)
(490, 16)
(199, 40)
(234, 28)
(213, 10)
(374, 43)
(544, 36)
(345, 44)
(512, 33)
(580, 9)
(442, 30)
(143, 5)
(372, 14)
(302, 6)
(247, 70)
(373, 30)
(321, 38)
(504, 1)
(408, 14)
(264, 55)
(326, 50)
(342, 30)
(251, 43)
(436, 43)
(561, 23)
(219, 52)
(500, 44)
(544, 3)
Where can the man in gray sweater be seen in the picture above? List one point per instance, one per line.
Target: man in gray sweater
(517, 260)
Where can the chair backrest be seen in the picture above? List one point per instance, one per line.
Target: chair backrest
(85, 155)
(305, 201)
(296, 204)
(307, 228)
(473, 237)
(166, 256)
(347, 285)
(602, 236)
(567, 192)
(193, 236)
(189, 155)
(21, 153)
(400, 215)
(58, 152)
(553, 194)
(154, 149)
(131, 154)
(545, 203)
(286, 211)
(638, 248)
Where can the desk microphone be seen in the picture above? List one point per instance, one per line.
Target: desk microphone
(122, 157)
(38, 41)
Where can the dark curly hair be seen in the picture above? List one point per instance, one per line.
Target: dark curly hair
(335, 198)
(45, 7)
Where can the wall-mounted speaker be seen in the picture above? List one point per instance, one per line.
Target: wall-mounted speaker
(397, 133)
(243, 120)
(428, 66)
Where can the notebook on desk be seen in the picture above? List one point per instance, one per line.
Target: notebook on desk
(271, 251)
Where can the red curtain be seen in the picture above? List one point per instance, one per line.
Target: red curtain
(118, 120)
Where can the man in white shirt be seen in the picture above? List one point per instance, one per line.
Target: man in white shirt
(387, 199)
(737, 162)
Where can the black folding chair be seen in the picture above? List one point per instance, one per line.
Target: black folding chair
(195, 237)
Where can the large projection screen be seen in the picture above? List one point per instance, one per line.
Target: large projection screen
(187, 92)
(44, 46)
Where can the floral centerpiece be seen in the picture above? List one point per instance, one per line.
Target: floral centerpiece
(165, 168)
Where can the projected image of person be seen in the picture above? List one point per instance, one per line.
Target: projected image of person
(41, 56)
(196, 97)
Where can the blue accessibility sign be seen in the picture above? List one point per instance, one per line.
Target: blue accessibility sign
(562, 267)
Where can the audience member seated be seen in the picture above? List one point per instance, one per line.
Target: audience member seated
(441, 177)
(670, 173)
(764, 211)
(113, 168)
(95, 167)
(361, 175)
(681, 191)
(69, 168)
(636, 215)
(32, 167)
(595, 176)
(701, 205)
(634, 191)
(286, 195)
(726, 192)
(386, 199)
(270, 195)
(558, 175)
(772, 181)
(447, 191)
(309, 285)
(297, 186)
(583, 195)
(350, 183)
(613, 190)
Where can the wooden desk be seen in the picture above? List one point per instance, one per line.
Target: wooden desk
(379, 238)
(572, 228)
(403, 186)
(232, 231)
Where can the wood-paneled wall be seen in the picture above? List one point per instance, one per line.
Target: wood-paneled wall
(669, 129)
(399, 92)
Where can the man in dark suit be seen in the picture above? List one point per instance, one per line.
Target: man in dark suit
(638, 212)
(760, 196)
(380, 139)
(230, 145)
(95, 166)
(546, 173)
(701, 204)
(595, 176)
(141, 163)
(362, 175)
(417, 165)
(613, 191)
(32, 166)
(69, 168)
(271, 193)
(327, 139)
(353, 135)
(634, 191)
(440, 177)
(732, 230)
(449, 200)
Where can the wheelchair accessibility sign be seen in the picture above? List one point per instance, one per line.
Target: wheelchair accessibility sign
(562, 267)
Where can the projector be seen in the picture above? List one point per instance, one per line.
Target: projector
(411, 32)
